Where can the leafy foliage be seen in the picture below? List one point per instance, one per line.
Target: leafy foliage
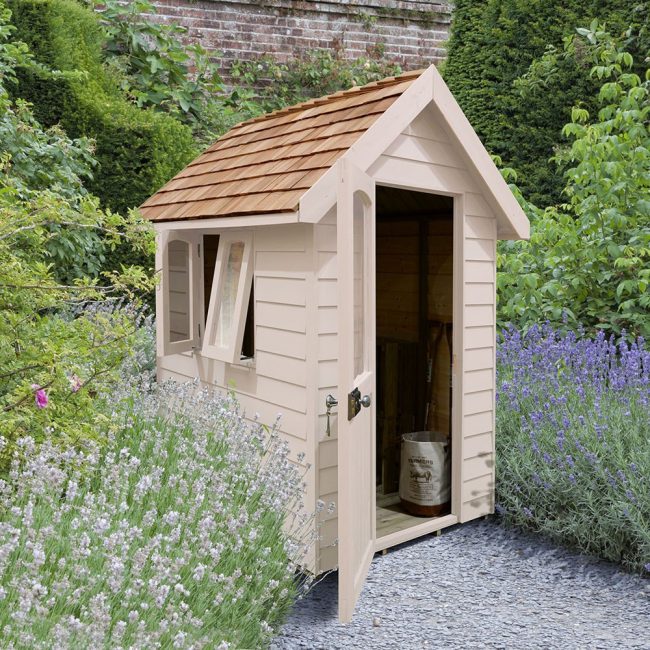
(155, 67)
(317, 73)
(137, 150)
(572, 424)
(589, 259)
(59, 338)
(60, 344)
(495, 42)
(35, 160)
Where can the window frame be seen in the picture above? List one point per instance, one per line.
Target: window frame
(194, 293)
(230, 353)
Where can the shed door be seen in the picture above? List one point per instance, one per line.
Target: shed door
(356, 386)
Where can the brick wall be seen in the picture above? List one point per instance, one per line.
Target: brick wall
(411, 33)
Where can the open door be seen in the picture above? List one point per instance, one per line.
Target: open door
(356, 384)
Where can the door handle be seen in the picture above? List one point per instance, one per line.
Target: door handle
(366, 401)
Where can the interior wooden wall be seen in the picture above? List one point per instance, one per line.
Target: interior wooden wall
(404, 338)
(398, 278)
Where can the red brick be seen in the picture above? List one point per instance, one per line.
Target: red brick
(248, 28)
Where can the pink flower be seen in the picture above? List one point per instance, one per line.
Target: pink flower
(40, 396)
(75, 383)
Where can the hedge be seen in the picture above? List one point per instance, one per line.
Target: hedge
(493, 42)
(137, 150)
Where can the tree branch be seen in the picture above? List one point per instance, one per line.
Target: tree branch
(73, 224)
(58, 287)
(23, 369)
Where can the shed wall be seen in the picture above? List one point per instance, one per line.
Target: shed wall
(279, 381)
(327, 298)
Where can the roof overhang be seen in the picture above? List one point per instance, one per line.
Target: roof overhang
(226, 223)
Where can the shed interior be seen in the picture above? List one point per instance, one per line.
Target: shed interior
(414, 321)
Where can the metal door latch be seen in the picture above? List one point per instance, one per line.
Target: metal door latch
(330, 402)
(355, 402)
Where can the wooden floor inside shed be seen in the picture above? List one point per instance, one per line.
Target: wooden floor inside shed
(391, 517)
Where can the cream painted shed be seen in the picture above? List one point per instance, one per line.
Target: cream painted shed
(346, 247)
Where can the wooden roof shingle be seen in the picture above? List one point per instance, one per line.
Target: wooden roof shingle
(266, 164)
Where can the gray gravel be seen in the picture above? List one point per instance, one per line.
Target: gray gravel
(479, 586)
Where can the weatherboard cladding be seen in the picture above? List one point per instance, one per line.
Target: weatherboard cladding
(266, 164)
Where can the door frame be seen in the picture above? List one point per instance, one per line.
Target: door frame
(437, 523)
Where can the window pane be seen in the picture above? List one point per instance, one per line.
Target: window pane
(226, 323)
(179, 290)
(248, 343)
(210, 249)
(359, 284)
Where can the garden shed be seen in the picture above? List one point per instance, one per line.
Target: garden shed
(336, 255)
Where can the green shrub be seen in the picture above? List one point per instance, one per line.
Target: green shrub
(137, 150)
(61, 344)
(156, 68)
(494, 42)
(588, 260)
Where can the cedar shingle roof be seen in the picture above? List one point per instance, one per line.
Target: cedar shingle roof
(266, 164)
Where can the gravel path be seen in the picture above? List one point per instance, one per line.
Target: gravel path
(479, 586)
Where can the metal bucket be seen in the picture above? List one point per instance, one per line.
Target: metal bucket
(425, 473)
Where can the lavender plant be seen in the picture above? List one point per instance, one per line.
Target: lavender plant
(183, 531)
(573, 441)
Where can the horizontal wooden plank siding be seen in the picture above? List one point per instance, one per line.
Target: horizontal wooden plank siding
(327, 380)
(478, 359)
(291, 423)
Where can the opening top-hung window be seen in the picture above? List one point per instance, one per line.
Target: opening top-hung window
(229, 327)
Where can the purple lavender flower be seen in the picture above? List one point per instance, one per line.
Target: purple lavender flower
(574, 409)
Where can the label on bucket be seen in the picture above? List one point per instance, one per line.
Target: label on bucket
(424, 472)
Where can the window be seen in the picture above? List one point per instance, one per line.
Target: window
(229, 331)
(180, 323)
(207, 295)
(248, 344)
